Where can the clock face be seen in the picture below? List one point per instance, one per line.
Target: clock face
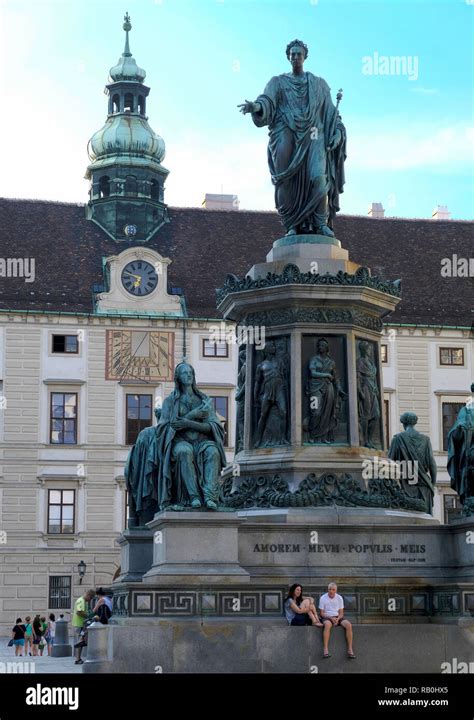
(139, 278)
(130, 230)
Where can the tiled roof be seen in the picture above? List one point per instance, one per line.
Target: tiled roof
(205, 245)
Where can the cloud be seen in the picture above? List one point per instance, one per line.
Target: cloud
(424, 91)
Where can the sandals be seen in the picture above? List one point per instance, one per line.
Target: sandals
(351, 656)
(326, 655)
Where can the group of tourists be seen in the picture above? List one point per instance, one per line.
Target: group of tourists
(33, 636)
(301, 610)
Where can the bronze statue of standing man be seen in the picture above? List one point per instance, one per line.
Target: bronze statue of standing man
(306, 150)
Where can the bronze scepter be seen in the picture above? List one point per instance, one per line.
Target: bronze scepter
(336, 113)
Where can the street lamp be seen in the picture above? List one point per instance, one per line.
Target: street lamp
(81, 569)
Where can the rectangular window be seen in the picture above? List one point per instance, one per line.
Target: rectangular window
(221, 406)
(384, 353)
(451, 356)
(59, 592)
(61, 511)
(63, 418)
(452, 507)
(386, 420)
(139, 416)
(450, 413)
(65, 344)
(214, 349)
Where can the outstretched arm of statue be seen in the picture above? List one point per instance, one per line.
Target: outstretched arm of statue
(250, 107)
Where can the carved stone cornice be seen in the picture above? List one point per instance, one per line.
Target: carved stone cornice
(291, 274)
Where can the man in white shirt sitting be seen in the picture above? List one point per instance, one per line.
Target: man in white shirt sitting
(331, 606)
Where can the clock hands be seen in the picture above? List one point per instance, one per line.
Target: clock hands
(137, 281)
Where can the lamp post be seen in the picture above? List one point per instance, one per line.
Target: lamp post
(81, 569)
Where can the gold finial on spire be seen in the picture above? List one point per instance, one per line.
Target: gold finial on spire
(127, 26)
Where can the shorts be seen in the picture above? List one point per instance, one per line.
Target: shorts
(338, 622)
(301, 619)
(19, 642)
(36, 641)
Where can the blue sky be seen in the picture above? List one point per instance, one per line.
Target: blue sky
(410, 136)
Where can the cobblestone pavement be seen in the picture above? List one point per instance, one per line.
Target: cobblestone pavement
(37, 664)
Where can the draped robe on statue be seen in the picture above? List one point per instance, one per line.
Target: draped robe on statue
(141, 472)
(302, 120)
(207, 450)
(461, 454)
(412, 446)
(325, 392)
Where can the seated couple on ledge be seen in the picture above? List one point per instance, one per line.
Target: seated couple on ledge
(300, 610)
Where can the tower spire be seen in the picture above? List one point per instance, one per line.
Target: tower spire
(126, 175)
(127, 26)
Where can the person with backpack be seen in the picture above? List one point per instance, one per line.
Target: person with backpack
(37, 634)
(103, 608)
(18, 637)
(28, 636)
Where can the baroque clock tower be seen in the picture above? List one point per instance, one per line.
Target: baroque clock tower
(126, 196)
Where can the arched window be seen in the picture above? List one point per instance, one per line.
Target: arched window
(104, 186)
(154, 190)
(116, 103)
(131, 185)
(141, 104)
(128, 104)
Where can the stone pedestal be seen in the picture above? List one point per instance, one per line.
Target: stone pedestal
(136, 554)
(311, 253)
(309, 290)
(195, 548)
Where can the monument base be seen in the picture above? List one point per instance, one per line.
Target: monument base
(269, 646)
(391, 566)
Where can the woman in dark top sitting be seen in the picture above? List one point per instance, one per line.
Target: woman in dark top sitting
(300, 610)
